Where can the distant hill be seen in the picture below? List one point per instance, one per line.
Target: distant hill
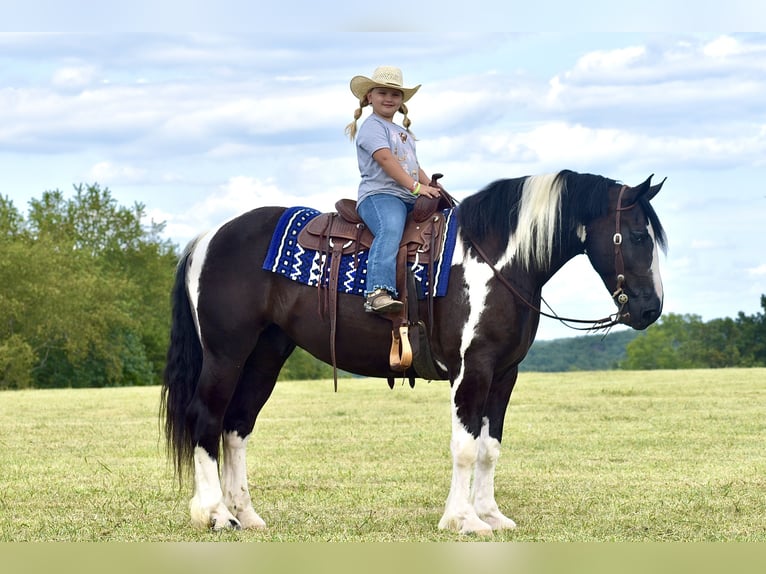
(583, 353)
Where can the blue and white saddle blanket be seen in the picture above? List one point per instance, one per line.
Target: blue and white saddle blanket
(285, 257)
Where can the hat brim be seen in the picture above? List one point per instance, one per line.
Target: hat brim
(361, 85)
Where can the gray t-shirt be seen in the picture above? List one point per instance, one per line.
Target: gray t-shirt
(377, 133)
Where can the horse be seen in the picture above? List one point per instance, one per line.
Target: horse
(234, 325)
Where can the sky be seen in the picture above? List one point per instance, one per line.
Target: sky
(200, 127)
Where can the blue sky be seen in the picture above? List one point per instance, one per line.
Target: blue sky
(199, 127)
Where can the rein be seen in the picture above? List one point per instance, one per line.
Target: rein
(618, 295)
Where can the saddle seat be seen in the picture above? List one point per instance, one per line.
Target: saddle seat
(344, 231)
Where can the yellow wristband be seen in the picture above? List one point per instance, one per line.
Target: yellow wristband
(416, 189)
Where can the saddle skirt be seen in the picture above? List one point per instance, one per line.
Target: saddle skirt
(304, 239)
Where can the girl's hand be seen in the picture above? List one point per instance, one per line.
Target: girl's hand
(429, 191)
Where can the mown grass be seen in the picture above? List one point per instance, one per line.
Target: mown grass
(597, 456)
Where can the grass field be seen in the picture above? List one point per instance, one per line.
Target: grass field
(597, 456)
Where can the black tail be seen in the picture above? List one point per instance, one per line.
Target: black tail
(184, 362)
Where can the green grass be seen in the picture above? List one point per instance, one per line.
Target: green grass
(597, 456)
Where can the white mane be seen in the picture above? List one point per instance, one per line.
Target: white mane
(539, 215)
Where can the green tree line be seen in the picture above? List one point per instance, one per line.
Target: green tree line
(687, 342)
(674, 342)
(85, 294)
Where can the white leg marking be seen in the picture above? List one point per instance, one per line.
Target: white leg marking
(459, 513)
(483, 492)
(206, 506)
(236, 495)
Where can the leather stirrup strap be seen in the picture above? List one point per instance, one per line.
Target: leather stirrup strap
(337, 252)
(400, 355)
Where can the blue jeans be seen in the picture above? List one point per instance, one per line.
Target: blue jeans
(384, 215)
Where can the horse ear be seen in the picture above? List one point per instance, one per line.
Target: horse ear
(647, 190)
(654, 190)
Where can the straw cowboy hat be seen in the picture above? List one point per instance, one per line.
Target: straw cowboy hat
(382, 77)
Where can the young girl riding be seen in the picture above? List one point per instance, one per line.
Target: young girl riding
(392, 178)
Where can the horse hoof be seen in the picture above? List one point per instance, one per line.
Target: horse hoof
(499, 522)
(466, 525)
(225, 524)
(484, 531)
(250, 520)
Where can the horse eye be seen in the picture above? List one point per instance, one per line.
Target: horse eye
(639, 237)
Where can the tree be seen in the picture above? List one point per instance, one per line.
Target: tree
(84, 285)
(751, 331)
(659, 348)
(685, 342)
(11, 220)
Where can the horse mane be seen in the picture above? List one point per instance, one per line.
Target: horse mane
(539, 212)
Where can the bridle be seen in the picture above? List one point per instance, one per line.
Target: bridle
(619, 294)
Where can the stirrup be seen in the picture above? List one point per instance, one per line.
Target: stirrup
(381, 301)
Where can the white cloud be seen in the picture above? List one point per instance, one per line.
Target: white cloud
(74, 77)
(238, 195)
(757, 271)
(114, 174)
(605, 62)
(703, 244)
(722, 47)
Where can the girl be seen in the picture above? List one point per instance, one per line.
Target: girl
(392, 179)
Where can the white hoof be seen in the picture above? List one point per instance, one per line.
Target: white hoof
(498, 521)
(219, 518)
(465, 525)
(248, 518)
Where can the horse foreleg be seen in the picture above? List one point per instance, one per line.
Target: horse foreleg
(236, 494)
(459, 513)
(483, 492)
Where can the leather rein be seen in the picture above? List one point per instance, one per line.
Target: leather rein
(619, 294)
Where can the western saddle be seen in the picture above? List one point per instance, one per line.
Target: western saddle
(343, 232)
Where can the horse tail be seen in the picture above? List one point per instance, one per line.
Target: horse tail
(182, 370)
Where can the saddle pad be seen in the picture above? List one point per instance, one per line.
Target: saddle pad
(285, 257)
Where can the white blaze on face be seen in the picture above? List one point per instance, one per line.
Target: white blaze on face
(655, 267)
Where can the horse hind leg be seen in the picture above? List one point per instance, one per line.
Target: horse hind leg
(236, 495)
(254, 389)
(218, 380)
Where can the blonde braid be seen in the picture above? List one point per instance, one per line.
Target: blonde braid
(351, 128)
(406, 121)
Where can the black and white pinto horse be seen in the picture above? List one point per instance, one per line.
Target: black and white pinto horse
(235, 324)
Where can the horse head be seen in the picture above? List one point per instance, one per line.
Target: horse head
(623, 248)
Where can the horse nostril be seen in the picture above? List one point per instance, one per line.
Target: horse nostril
(650, 315)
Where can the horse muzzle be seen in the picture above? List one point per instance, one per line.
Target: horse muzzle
(637, 310)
